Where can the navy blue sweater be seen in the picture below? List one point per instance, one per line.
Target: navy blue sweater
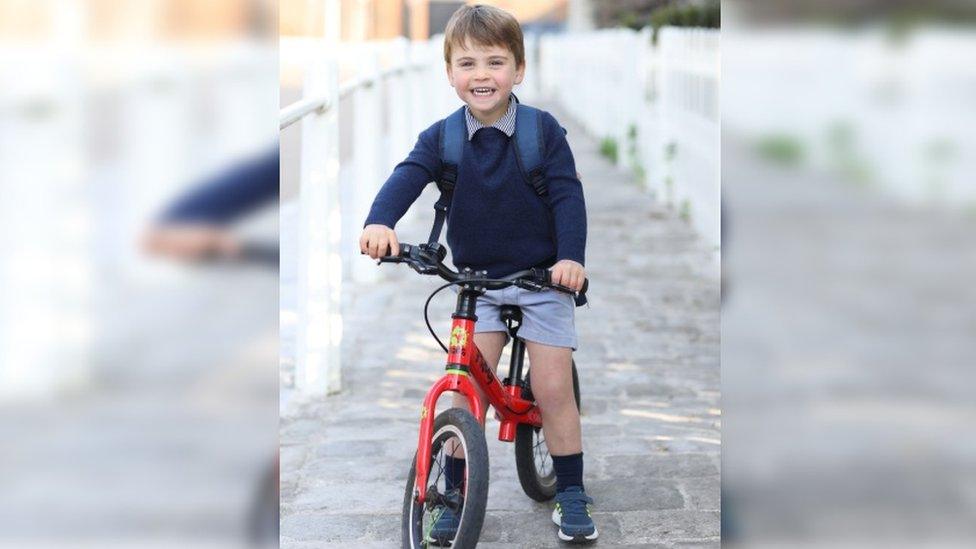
(496, 221)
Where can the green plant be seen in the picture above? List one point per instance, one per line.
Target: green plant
(843, 154)
(670, 151)
(631, 20)
(685, 211)
(641, 174)
(708, 15)
(781, 149)
(608, 148)
(632, 144)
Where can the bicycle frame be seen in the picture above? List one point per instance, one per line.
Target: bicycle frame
(464, 361)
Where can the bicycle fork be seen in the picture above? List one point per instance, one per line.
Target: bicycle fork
(462, 353)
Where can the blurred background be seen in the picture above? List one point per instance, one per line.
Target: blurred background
(848, 321)
(138, 392)
(138, 405)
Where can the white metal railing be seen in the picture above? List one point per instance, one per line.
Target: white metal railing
(389, 107)
(296, 111)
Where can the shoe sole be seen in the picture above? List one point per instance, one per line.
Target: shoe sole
(578, 538)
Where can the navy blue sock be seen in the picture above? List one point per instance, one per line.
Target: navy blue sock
(453, 472)
(569, 471)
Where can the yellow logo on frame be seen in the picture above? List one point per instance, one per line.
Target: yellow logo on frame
(458, 337)
(423, 412)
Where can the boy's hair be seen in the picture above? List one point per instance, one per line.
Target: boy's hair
(484, 26)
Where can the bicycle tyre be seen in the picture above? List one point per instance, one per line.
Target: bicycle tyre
(537, 483)
(460, 424)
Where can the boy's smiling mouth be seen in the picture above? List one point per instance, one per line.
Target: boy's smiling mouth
(483, 92)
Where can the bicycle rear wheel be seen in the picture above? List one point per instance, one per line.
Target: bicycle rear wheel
(532, 459)
(453, 427)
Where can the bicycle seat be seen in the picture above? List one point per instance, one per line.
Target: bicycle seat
(511, 313)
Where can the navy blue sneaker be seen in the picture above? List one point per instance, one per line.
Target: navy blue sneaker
(572, 515)
(446, 525)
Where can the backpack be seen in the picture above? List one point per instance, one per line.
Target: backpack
(529, 154)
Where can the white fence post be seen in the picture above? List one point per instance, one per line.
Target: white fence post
(399, 122)
(46, 273)
(367, 133)
(317, 368)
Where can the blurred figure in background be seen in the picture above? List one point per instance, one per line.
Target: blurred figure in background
(194, 227)
(195, 224)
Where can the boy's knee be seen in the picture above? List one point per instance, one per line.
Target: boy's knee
(551, 387)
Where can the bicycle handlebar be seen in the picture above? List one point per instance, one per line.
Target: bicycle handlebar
(429, 259)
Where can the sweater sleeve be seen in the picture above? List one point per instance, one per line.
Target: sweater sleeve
(408, 180)
(565, 194)
(230, 194)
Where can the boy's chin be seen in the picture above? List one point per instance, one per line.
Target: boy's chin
(483, 106)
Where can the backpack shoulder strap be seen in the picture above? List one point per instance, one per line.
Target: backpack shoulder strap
(451, 145)
(530, 146)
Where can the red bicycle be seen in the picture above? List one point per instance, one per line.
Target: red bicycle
(456, 432)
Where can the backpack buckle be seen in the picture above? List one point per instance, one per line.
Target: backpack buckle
(448, 178)
(538, 181)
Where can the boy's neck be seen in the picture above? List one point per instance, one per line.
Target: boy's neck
(496, 118)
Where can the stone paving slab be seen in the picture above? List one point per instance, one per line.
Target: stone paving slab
(649, 369)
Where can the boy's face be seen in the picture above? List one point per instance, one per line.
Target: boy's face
(483, 77)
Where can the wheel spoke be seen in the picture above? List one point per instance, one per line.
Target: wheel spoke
(541, 452)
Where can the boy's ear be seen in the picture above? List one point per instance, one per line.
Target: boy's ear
(450, 73)
(519, 74)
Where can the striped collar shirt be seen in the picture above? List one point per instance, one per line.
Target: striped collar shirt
(506, 123)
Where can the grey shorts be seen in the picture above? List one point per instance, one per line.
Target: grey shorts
(548, 317)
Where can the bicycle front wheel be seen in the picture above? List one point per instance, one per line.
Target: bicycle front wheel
(532, 459)
(453, 428)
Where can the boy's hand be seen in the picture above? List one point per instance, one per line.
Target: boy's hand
(190, 242)
(568, 273)
(376, 239)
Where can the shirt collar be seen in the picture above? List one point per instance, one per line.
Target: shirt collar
(506, 123)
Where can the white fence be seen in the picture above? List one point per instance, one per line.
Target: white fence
(657, 103)
(92, 143)
(895, 113)
(353, 133)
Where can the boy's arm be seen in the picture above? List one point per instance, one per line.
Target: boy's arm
(408, 180)
(565, 194)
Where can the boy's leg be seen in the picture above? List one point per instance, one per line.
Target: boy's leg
(490, 344)
(552, 386)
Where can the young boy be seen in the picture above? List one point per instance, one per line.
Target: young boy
(498, 223)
